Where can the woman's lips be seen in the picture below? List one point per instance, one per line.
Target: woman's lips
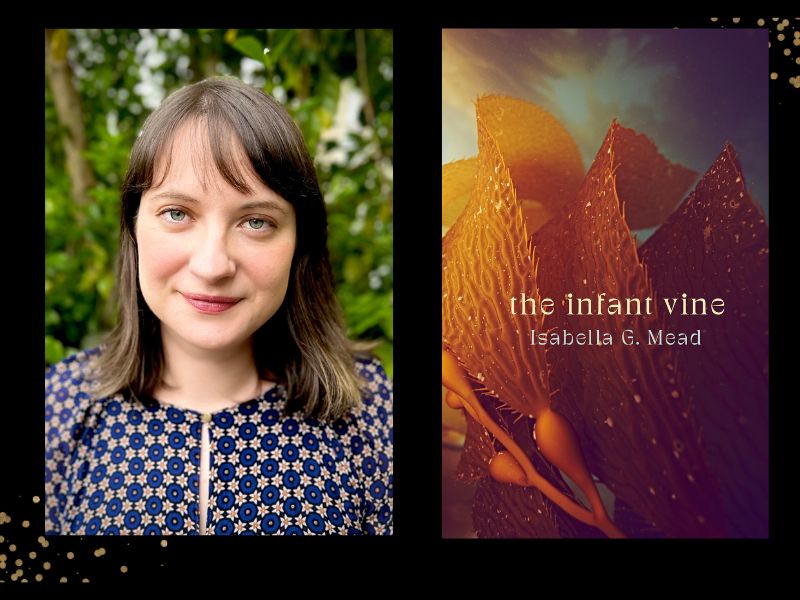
(210, 304)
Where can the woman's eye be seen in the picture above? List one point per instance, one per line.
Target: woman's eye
(176, 215)
(256, 223)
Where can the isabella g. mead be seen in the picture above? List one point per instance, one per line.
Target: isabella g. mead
(595, 337)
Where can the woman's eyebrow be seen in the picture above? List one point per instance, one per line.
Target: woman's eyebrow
(175, 195)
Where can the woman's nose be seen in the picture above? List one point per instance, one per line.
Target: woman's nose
(211, 259)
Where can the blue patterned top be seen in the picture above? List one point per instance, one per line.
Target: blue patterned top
(119, 467)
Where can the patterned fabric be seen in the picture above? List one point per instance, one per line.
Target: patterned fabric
(118, 467)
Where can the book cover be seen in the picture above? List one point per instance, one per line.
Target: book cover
(605, 269)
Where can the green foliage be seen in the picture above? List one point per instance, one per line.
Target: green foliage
(319, 75)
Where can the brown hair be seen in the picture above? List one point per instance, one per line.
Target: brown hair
(303, 345)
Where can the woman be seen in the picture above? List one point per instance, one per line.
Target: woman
(228, 399)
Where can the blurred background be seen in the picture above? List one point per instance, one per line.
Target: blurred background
(102, 83)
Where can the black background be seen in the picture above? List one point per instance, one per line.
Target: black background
(344, 564)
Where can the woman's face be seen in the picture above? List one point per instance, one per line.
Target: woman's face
(214, 263)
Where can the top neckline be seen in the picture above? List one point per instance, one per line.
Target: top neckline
(150, 401)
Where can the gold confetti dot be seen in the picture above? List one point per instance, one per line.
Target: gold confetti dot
(85, 580)
(773, 75)
(761, 22)
(26, 524)
(18, 573)
(780, 26)
(163, 543)
(796, 41)
(63, 580)
(787, 52)
(714, 19)
(18, 562)
(781, 37)
(797, 60)
(99, 552)
(36, 499)
(785, 22)
(13, 577)
(32, 555)
(12, 548)
(2, 539)
(735, 19)
(3, 558)
(38, 577)
(774, 18)
(46, 566)
(2, 566)
(43, 541)
(70, 555)
(123, 569)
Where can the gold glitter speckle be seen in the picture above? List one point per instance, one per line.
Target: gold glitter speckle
(70, 555)
(12, 548)
(32, 555)
(736, 19)
(714, 19)
(36, 499)
(785, 22)
(797, 60)
(99, 552)
(46, 566)
(85, 580)
(761, 22)
(63, 580)
(787, 52)
(163, 543)
(43, 541)
(38, 577)
(781, 37)
(18, 562)
(123, 569)
(26, 524)
(773, 75)
(796, 41)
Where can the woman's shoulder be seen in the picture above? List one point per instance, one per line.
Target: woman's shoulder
(373, 375)
(68, 383)
(374, 418)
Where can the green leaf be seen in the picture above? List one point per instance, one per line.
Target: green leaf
(250, 47)
(53, 350)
